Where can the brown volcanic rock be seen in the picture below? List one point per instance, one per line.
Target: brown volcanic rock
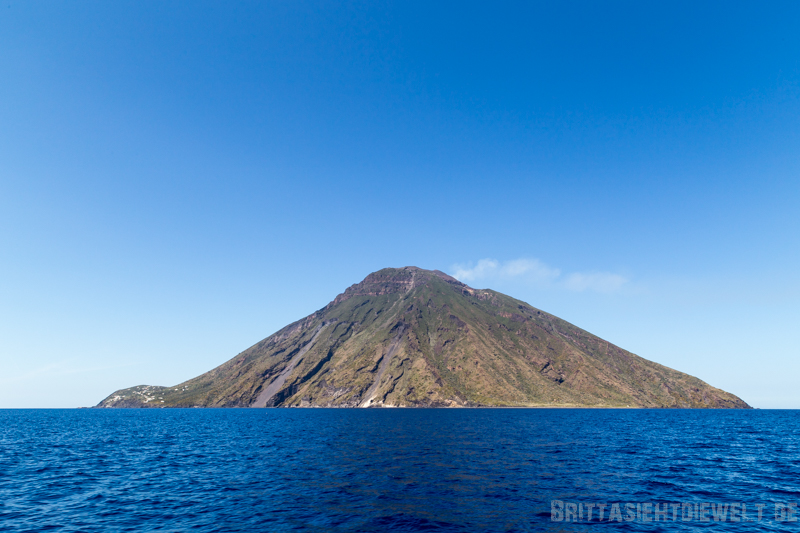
(413, 337)
(390, 281)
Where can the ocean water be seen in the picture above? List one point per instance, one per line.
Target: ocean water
(392, 469)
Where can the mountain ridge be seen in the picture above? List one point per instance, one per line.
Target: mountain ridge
(409, 337)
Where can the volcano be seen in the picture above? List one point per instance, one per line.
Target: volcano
(408, 337)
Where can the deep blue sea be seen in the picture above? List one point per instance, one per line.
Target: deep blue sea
(395, 469)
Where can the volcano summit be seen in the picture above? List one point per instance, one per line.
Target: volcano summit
(407, 337)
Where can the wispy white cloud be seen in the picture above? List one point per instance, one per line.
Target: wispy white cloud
(531, 269)
(483, 269)
(536, 272)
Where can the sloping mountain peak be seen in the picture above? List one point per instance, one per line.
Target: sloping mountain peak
(413, 337)
(394, 281)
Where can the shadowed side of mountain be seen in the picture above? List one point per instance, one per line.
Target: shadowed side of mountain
(411, 337)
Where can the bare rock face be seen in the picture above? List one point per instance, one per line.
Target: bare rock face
(408, 337)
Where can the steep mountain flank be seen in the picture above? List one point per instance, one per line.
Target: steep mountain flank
(411, 337)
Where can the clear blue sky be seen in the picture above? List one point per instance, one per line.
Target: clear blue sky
(179, 180)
